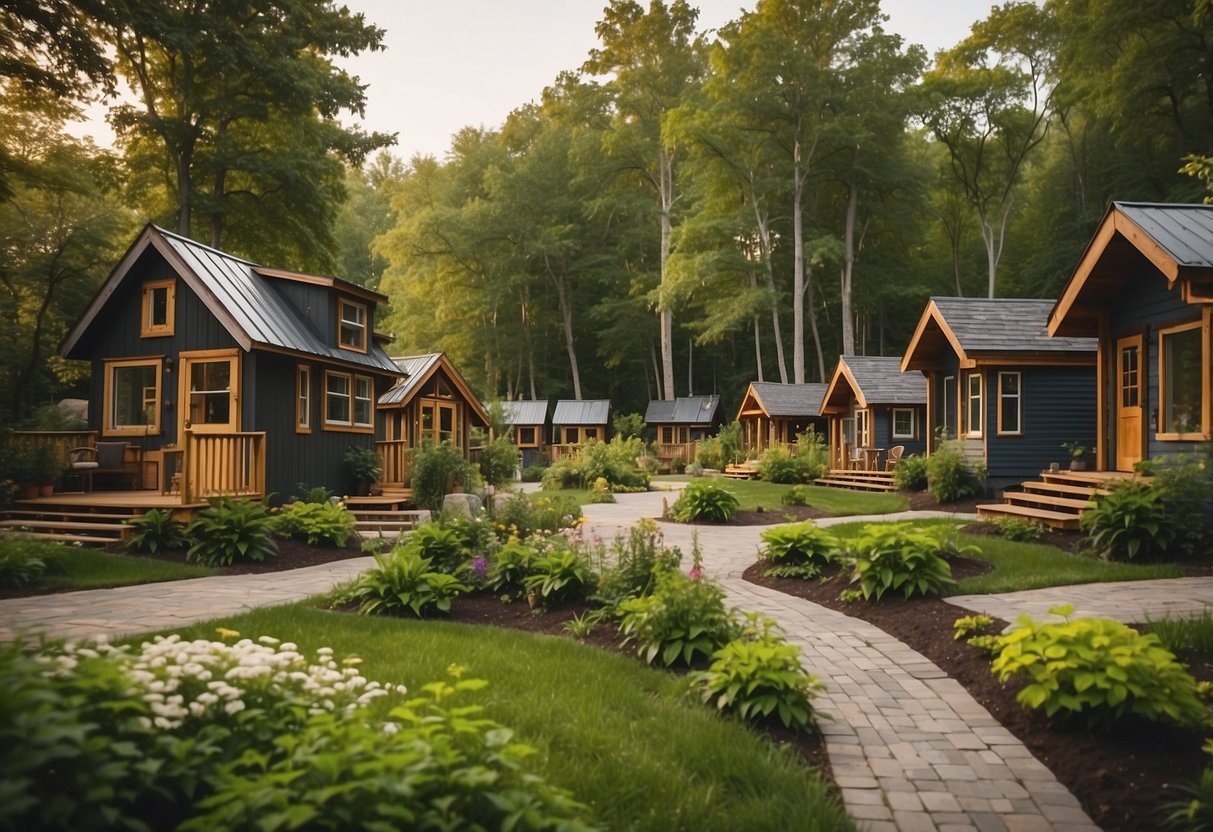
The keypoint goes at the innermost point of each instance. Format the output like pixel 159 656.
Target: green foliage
pixel 1188 637
pixel 703 500
pixel 499 460
pixel 725 448
pixel 565 472
pixel 614 461
pixel 910 473
pixel 363 463
pixel 319 524
pixel 800 550
pixel 439 544
pixel 897 556
pixel 313 494
pixel 582 626
pixel 631 566
pixel 628 425
pixel 510 567
pixel 560 576
pixel 813 452
pixel 968 625
pixel 436 471
pixel 1186 484
pixel 524 516
pixel 230 530
pixel 778 465
pixel 1194 813
pixel 797 495
pixel 25 562
pixel 154 530
pixel 684 619
pixel 1131 522
pixel 758 678
pixel 402 581
pixel 1097 668
pixel 533 473
pixel 1021 531
pixel 952 477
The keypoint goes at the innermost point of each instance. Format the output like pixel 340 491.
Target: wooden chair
pixel 105 458
pixel 855 460
pixel 894 456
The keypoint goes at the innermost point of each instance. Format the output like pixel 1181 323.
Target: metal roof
pixel 1184 231
pixel 588 412
pixel 525 412
pixel 686 410
pixel 995 325
pixel 416 367
pixel 789 399
pixel 881 381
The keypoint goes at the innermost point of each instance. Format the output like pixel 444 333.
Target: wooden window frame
pixel 863 428
pixel 913 434
pixel 1206 394
pixel 147 329
pixel 304 394
pixel 575 432
pixel 1002 430
pixel 342 321
pixel 184 367
pixel 950 402
pixel 523 441
pixel 351 426
pixel 108 428
pixel 980 398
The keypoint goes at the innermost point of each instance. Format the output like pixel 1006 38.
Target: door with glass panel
pixel 1130 392
pixel 210 384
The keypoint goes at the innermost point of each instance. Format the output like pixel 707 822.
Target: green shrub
pixel 1021 531
pixel 522 517
pixel 800 550
pixel 563 473
pixel 778 465
pixel 897 556
pixel 439 544
pixel 813 454
pixel 710 454
pixel 628 425
pixel 154 530
pixel 1185 636
pixel 230 530
pixel 684 619
pixel 703 500
pixel 951 476
pixel 319 524
pixel 910 473
pixel 732 444
pixel 499 460
pixel 758 678
pixel 402 581
pixel 533 473
pixel 630 567
pixel 1097 668
pixel 560 576
pixel 614 461
pixel 797 495
pixel 1130 522
pixel 1186 483
pixel 363 464
pixel 436 471
pixel 312 494
pixel 1193 813
pixel 24 562
pixel 510 567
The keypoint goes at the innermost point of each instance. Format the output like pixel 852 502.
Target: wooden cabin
pixel 774 414
pixel 225 377
pixel 872 407
pixel 431 404
pixel 680 424
pixel 997 382
pixel 1144 289
pixel 574 422
pixel 528 423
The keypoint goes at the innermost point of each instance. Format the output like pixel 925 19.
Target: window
pixel 351 325
pixel 159 311
pixel 1183 382
pixel 903 423
pixel 848 430
pixel 211 392
pixel 303 399
pixel 1010 404
pixel 667 435
pixel 132 397
pixel 347 402
pixel 973 405
pixel 526 437
pixel 949 406
pixel 863 428
pixel 571 437
pixel 591 433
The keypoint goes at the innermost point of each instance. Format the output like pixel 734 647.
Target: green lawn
pixel 837 501
pixel 93 569
pixel 1033 565
pixel 624 738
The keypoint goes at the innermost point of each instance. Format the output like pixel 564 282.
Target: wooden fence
pixel 222 464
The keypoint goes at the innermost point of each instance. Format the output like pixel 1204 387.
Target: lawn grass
pixel 1032 565
pixel 625 739
pixel 836 501
pixel 580 495
pixel 79 568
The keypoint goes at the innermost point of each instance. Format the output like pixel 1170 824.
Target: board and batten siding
pixel 1058 405
pixel 882 429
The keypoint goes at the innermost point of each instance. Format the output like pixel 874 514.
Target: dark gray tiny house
pixel 1000 385
pixel 678 425
pixel 1144 289
pixel 253 379
pixel 871 404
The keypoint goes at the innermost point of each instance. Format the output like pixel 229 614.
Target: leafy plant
pixel 631 566
pixel 896 556
pixel 910 473
pixel 436 471
pixel 154 530
pixel 24 562
pixel 800 550
pixel 797 495
pixel 682 620
pixel 582 626
pixel 1098 668
pixel 522 517
pixel 778 465
pixel 533 473
pixel 1021 531
pixel 1185 636
pixel 402 581
pixel 969 625
pixel 558 577
pixel 1130 522
pixel 704 500
pixel 319 524
pixel 510 567
pixel 628 425
pixel 363 463
pixel 312 494
pixel 951 476
pixel 230 530
pixel 1195 813
pixel 499 460
pixel 438 544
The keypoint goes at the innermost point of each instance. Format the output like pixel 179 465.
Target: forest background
pixel 681 214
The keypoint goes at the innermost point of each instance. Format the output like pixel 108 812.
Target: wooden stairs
pixel 68 523
pixel 858 480
pixel 741 472
pixel 1057 499
pixel 385 515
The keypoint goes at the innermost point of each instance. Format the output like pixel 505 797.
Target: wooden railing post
pixel 187 474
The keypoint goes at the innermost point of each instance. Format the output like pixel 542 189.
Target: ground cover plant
pixel 230 530
pixel 317 524
pixel 684 619
pixel 900 557
pixel 798 550
pixel 951 476
pixel 154 530
pixel 704 501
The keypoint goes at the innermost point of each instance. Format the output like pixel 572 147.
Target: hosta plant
pixel 403 582
pixel 439 544
pixel 319 524
pixel 896 556
pixel 155 530
pixel 559 576
pixel 800 550
pixel 1130 522
pixel 230 530
pixel 1098 669
pixel 24 562
pixel 683 620
pixel 510 566
pixel 704 500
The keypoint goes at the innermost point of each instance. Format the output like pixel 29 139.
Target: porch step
pixel 1059 489
pixel 84 527
pixel 387 523
pixel 1052 519
pixel 858 480
pixel 82 539
pixel 1032 498
pixel 740 472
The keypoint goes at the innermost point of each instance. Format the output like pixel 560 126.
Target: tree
pixel 365 214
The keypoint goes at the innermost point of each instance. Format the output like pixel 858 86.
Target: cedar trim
pixel 235 391
pixel 1103 349
pixel 1084 359
pixel 343 286
pixel 303 419
pixel 454 376
pixel 929 427
pixel 1146 244
pixel 929 315
pixel 1082 272
pixel 366 325
pixel 107 403
pixel 841 372
pixel 344 363
pixel 146 328
pixel 342 427
pixel 1206 364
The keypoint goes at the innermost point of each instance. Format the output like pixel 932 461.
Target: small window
pixel 303 399
pixel 1183 382
pixel 132 397
pixel 863 428
pixel 667 435
pixel 571 436
pixel 903 423
pixel 591 433
pixel 351 326
pixel 973 405
pixel 337 399
pixel 347 402
pixel 363 401
pixel 526 437
pixel 159 312
pixel 1010 404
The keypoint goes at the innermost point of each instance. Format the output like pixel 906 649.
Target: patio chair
pixel 895 453
pixel 855 460
pixel 106 459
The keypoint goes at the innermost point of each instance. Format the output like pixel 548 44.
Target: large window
pixel 1010 404
pixel 351 325
pixel 159 311
pixel 903 423
pixel 1183 382
pixel 303 399
pixel 132 397
pixel 973 409
pixel 348 403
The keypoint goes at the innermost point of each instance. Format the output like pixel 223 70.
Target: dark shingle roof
pixel 789 399
pixel 1184 231
pixel 525 413
pixel 996 325
pixel 590 412
pixel 687 410
pixel 881 380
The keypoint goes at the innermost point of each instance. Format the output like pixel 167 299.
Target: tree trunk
pixel 812 303
pixel 764 243
pixel 848 270
pixel 798 287
pixel 666 184
pixel 757 335
pixel 690 366
pixel 566 317
pixel 656 372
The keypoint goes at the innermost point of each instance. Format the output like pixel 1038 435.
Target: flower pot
pixel 47 490
pixel 1054 467
pixel 29 492
pixel 1078 465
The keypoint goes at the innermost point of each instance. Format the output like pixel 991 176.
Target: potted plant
pixel 19 467
pixel 364 467
pixel 1077 452
pixel 45 469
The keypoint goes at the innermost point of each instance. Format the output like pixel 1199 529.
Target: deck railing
pixel 61 440
pixel 685 451
pixel 395 461
pixel 222 464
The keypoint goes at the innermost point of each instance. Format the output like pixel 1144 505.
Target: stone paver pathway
pixel 1130 601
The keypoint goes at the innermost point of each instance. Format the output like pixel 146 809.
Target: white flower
pixel 233 707
pixel 390 728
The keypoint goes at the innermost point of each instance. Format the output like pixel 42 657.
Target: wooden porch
pixel 1056 499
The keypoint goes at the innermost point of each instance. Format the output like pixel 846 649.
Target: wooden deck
pixel 111 499
pixel 858 480
pixel 1057 499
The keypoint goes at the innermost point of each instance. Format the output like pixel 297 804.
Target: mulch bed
pixel 1122 777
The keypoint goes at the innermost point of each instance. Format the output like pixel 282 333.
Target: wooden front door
pixel 1130 392
pixel 210 391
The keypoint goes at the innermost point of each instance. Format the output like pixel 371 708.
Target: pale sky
pixel 453 63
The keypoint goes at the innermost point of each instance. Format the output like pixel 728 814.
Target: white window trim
pixel 981 405
pixel 913 423
pixel 362 326
pixel 1018 403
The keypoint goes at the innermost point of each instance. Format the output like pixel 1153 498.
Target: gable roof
pixel 421 368
pixel 239 296
pixel 974 329
pixel 1176 240
pixel 686 410
pixel 872 380
pixel 786 399
pixel 587 412
pixel 525 412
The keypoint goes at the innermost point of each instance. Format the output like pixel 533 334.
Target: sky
pixel 449 64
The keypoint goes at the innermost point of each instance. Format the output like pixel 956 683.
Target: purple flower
pixel 480 568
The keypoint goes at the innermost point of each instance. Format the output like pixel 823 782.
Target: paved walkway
pixel 910 749
pixel 1130 602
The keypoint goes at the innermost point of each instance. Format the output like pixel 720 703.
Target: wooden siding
pixel 1058 405
pixel 882 429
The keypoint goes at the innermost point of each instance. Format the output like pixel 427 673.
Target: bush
pixel 797 495
pixel 499 460
pixel 732 444
pixel 522 517
pixel 628 425
pixel 363 463
pixel 312 494
pixel 813 454
pixel 614 461
pixel 319 524
pixel 155 530
pixel 24 562
pixel 635 563
pixel 704 500
pixel 683 620
pixel 230 530
pixel 1187 486
pixel 559 576
pixel 952 477
pixel 563 473
pixel 800 550
pixel 510 567
pixel 436 471
pixel 1130 522
pixel 439 544
pixel 779 466
pixel 402 581
pixel 533 473
pixel 910 473
pixel 710 454
pixel 897 556
pixel 1097 668
pixel 1021 531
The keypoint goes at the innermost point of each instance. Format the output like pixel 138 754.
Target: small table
pixel 871 456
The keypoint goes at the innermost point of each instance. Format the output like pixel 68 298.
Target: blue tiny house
pixel 1144 289
pixel 998 383
pixel 872 406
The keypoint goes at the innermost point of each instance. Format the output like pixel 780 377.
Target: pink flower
pixel 695 574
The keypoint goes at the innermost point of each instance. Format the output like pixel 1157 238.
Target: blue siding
pixel 882 429
pixel 1058 405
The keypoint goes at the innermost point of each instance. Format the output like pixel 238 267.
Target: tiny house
pixel 527 421
pixel 774 414
pixel 873 407
pixel 576 421
pixel 680 424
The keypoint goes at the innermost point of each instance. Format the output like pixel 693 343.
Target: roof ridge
pixel 227 255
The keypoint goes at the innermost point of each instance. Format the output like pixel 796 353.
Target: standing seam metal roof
pixel 588 412
pixel 525 412
pixel 993 325
pixel 686 410
pixel 415 367
pixel 1185 231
